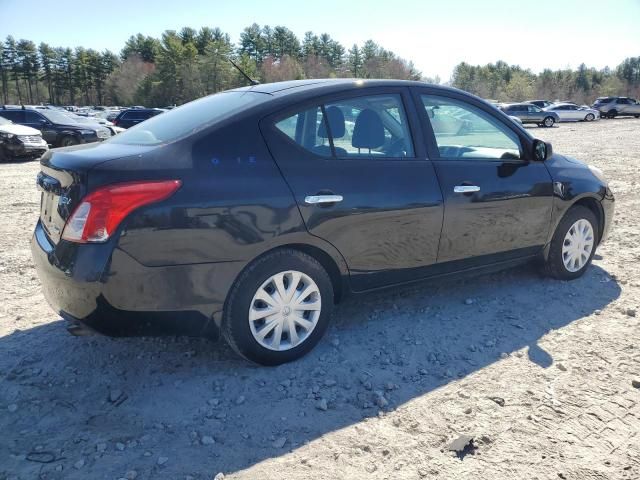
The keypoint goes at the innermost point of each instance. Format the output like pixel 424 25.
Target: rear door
pixel 358 169
pixel 498 202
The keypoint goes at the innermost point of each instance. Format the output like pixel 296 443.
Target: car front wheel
pixel 573 245
pixel 590 117
pixel 279 308
pixel 548 122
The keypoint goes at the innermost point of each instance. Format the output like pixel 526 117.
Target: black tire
pixel 612 114
pixel 637 116
pixel 68 141
pixel 235 322
pixel 554 265
pixel 590 117
pixel 3 156
pixel 548 122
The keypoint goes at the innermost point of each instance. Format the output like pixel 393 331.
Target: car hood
pixel 19 129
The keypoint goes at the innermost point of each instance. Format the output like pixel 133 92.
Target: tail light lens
pixel 115 122
pixel 100 212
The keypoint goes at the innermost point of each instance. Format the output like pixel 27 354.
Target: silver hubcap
pixel 285 310
pixel 590 117
pixel 548 122
pixel 577 245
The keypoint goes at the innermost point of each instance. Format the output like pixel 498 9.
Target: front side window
pixel 32 117
pixel 533 109
pixel 463 131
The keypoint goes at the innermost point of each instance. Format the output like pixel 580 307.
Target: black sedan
pixel 251 212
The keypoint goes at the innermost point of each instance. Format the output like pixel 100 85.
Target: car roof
pixel 329 84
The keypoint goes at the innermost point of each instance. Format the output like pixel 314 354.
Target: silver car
pixel 570 112
pixel 611 107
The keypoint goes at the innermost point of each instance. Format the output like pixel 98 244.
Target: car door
pixel 35 120
pixel 498 202
pixel 359 173
pixel 535 114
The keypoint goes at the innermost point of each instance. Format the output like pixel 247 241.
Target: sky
pixel 434 34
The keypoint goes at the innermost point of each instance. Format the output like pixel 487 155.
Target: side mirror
pixel 541 150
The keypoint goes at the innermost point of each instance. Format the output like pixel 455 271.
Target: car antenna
pixel 249 79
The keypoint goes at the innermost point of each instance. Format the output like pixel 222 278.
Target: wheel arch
pixel 588 201
pixel 595 206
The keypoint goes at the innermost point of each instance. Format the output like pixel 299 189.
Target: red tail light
pixel 100 212
pixel 115 122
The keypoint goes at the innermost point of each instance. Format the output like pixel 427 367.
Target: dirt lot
pixel 538 371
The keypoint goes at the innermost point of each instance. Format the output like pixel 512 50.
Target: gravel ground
pixel 541 373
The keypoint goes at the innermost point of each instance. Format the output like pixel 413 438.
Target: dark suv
pixel 253 211
pixel 58 130
pixel 133 116
pixel 611 107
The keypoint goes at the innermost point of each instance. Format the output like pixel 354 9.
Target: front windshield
pixel 56 117
pixel 189 118
pixel 4 121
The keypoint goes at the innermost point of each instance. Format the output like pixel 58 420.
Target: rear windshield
pixel 188 119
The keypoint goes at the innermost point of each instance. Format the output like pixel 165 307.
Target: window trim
pixel 431 143
pixel 420 153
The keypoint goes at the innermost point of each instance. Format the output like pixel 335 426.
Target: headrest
pixel 335 117
pixel 368 131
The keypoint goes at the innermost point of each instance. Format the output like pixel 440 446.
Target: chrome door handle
pixel 322 199
pixel 466 189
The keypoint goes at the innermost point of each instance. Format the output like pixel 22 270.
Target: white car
pixel 570 112
pixel 20 142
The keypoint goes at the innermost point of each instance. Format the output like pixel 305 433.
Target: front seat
pixel 368 131
pixel 335 118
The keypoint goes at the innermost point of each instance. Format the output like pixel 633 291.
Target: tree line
pixel 183 65
pixel 186 64
pixel 504 82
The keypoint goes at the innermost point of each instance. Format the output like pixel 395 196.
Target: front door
pixel 498 202
pixel 361 182
pixel 39 122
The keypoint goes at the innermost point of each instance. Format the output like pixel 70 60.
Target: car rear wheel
pixel 68 141
pixel 573 245
pixel 279 308
pixel 548 122
pixel 612 114
pixel 590 117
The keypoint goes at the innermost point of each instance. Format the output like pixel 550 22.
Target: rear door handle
pixel 322 199
pixel 466 189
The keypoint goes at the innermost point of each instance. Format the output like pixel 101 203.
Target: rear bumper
pixel 107 290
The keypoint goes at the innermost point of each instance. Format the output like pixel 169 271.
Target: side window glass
pixel 308 129
pixel 370 126
pixel 466 132
pixel 32 117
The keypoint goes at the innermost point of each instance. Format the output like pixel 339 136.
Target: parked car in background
pixel 133 116
pixel 540 103
pixel 529 113
pixel 58 130
pixel 19 142
pixel 570 112
pixel 96 121
pixel 253 211
pixel 611 107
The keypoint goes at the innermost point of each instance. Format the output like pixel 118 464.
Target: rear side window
pixel 373 126
pixel 466 132
pixel 189 119
pixel 309 130
pixel 370 126
pixel 16 116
